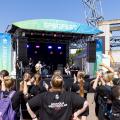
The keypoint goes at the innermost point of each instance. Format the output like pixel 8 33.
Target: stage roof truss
pixel 80 43
pixel 115 41
pixel 50 36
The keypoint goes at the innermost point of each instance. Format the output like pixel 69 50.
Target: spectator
pixel 3 74
pixel 38 86
pixel 103 95
pixel 79 87
pixel 79 84
pixel 9 82
pixel 25 87
pixel 115 103
pixel 57 103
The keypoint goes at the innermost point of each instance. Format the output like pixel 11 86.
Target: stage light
pixel 28 46
pixel 51 52
pixel 43 34
pixel 23 34
pixel 61 53
pixel 59 48
pixel 35 52
pixel 37 46
pixel 49 47
pixel 55 35
pixel 31 33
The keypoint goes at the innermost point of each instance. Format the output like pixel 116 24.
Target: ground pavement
pixel 91 107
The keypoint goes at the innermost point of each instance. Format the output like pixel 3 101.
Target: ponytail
pixel 80 77
pixel 81 85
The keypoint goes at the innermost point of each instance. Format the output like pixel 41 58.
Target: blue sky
pixel 73 10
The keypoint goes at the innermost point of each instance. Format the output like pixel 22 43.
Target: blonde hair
pixel 28 75
pixel 9 82
pixel 57 81
pixel 80 76
pixel 37 78
pixel 108 76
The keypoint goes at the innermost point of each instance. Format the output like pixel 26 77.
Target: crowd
pixel 60 97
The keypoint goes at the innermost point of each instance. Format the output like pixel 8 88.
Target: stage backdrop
pixel 5 51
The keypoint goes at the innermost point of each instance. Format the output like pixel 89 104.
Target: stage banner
pixel 5 51
pixel 99 52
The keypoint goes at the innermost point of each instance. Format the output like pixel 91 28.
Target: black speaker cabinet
pixel 22 50
pixel 91 51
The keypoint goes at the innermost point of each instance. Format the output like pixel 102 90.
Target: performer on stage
pixel 30 63
pixel 38 67
pixel 67 69
pixel 18 68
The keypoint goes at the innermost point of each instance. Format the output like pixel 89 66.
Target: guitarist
pixel 67 69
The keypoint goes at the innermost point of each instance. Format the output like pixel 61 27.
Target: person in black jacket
pixel 39 86
pixel 115 103
pixel 57 104
pixel 103 95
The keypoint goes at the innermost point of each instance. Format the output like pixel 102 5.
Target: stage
pixel 48 40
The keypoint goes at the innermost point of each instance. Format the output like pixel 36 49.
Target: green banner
pixel 99 49
pixel 5 52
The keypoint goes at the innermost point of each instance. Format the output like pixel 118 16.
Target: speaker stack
pixel 22 50
pixel 91 51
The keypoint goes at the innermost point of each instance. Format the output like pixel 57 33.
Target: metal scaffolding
pixel 93 11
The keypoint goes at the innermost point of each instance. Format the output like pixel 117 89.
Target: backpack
pixel 6 110
pixel 103 96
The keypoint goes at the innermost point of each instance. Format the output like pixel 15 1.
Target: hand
pixel 21 83
pixel 25 78
pixel 75 116
pixel 35 119
pixel 92 81
pixel 1 78
pixel 46 86
pixel 75 79
pixel 98 74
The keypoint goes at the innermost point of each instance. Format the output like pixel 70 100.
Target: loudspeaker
pixel 91 51
pixel 22 50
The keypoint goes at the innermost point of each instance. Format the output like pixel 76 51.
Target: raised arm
pixel 80 103
pixel 25 90
pixel 80 111
pixel 75 78
pixel 112 61
pixel 107 67
pixel 34 104
pixel 32 114
pixel 96 81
